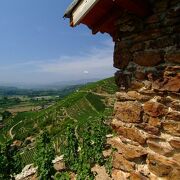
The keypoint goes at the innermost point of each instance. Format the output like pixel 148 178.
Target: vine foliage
pixel 43 156
pixel 83 148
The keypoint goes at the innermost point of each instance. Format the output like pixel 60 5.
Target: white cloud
pixel 86 72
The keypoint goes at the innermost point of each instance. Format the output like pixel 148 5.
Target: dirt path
pixel 10 131
pixel 99 94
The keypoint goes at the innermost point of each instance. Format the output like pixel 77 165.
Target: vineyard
pixel 27 156
pixel 83 108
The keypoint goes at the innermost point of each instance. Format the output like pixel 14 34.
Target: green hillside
pixel 88 105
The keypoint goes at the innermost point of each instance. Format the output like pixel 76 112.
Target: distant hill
pixel 48 86
pixel 90 103
pixel 61 91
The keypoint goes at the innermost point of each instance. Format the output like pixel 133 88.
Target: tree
pixel 10 161
pixel 44 155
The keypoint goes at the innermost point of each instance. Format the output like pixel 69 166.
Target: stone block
pixel 173 115
pixel 162 42
pixel 171 127
pixel 136 85
pixel 129 112
pixel 99 172
pixel 138 96
pixel 140 75
pixel 123 96
pixel 175 143
pixel 122 80
pixel 59 166
pixel 149 129
pixel 169 82
pixel 119 162
pixel 174 12
pixel 160 165
pixel 119 175
pixel 173 57
pixel 137 47
pixel 165 150
pixel 176 157
pixel 155 18
pixel 175 105
pixel 148 59
pixel 133 134
pixel 155 122
pixel 122 58
pixel 175 174
pixel 128 151
pixel 137 176
pixel 148 35
pixel 154 109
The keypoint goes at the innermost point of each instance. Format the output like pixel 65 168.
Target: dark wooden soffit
pixel 102 17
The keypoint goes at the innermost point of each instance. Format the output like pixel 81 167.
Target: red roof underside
pixel 103 16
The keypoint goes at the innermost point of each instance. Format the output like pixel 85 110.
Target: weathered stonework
pixel 147 111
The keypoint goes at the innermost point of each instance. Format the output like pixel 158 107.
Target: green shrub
pixel 62 176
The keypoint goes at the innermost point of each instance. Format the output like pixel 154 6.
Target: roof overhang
pixel 84 7
pixel 100 15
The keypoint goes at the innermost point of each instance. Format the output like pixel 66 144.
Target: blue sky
pixel 38 46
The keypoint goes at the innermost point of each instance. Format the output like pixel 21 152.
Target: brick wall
pixel 147 111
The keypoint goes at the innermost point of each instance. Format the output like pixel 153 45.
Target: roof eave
pixel 70 8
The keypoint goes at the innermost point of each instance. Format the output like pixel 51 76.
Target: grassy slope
pixel 77 109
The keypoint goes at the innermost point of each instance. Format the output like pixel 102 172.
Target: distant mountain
pixel 48 86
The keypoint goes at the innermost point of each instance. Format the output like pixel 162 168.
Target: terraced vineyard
pixel 87 104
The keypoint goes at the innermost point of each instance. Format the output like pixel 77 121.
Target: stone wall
pixel 147 111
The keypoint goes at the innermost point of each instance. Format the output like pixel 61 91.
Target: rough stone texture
pixel 122 59
pixel 175 143
pixel 128 111
pixel 169 82
pixel 149 129
pixel 165 150
pixel 147 58
pixel 129 152
pixel 138 96
pixel 172 127
pixel 147 111
pixel 28 172
pixel 160 166
pixel 137 176
pixel 176 157
pixel 59 166
pixel 100 173
pixel 155 122
pixel 119 162
pixel 173 57
pixel 131 96
pixel 154 109
pixel 119 175
pixel 173 115
pixel 132 133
